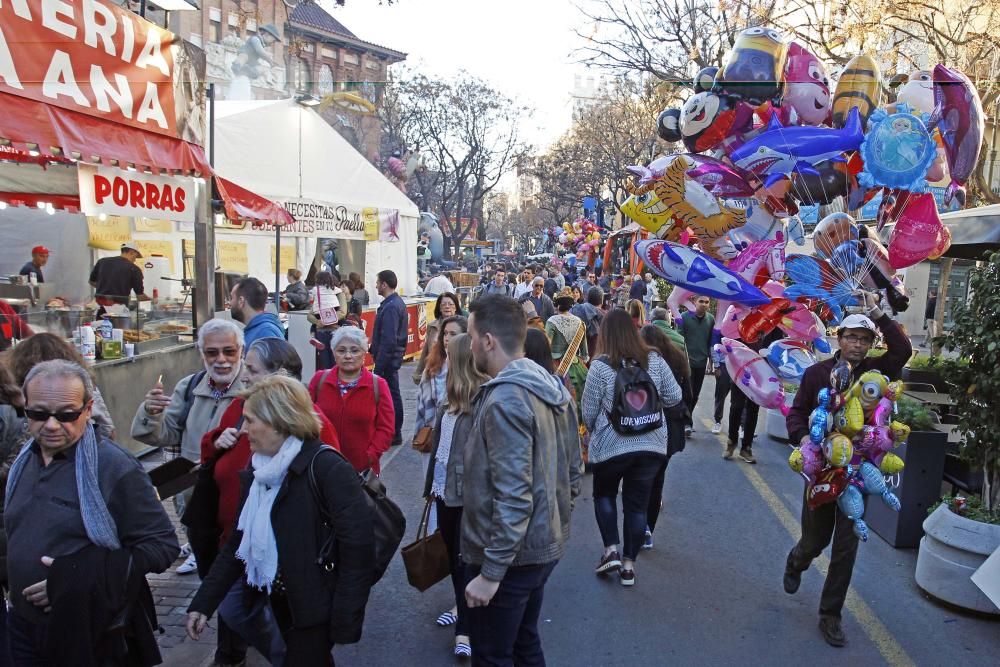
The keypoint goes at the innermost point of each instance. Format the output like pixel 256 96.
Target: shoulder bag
pixel 327 316
pixel 426 559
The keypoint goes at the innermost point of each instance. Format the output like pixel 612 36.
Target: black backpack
pixel 389 525
pixel 635 408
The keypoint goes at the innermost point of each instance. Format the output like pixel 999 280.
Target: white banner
pixel 317 219
pixel 109 191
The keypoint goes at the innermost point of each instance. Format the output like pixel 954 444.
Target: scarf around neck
pixel 258 548
pixel 97 520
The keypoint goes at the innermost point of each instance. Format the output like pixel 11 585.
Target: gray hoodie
pixel 522 471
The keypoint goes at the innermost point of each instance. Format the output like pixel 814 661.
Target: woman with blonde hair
pixel 281 525
pixel 444 474
pixel 637 312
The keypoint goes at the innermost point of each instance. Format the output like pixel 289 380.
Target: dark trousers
pixel 818 526
pixel 27 641
pixel 697 379
pixel 742 411
pixel 450 524
pixel 5 658
pixel 303 646
pixel 635 474
pixel 391 375
pixel 505 632
pixel 324 357
pixel 722 385
pixel 656 496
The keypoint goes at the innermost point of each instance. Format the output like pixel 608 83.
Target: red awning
pixel 54 129
pixel 25 121
pixel 241 204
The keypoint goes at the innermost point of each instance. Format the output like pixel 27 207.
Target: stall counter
pixel 124 383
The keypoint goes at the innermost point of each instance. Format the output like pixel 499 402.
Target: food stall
pixel 97 149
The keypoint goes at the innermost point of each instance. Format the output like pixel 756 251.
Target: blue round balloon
pixel 897 150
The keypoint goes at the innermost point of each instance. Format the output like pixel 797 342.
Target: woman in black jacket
pixel 281 532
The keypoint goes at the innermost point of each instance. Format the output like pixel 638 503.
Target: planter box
pixel 923 377
pixel 918 487
pixel 952 549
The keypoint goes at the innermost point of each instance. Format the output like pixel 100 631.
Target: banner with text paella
pixel 93 57
pixel 326 220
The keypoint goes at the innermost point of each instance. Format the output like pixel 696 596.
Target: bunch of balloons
pixel 851 435
pixel 767 133
pixel 582 237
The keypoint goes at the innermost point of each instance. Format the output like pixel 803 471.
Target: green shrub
pixel 974 377
pixel 973 508
pixel 914 414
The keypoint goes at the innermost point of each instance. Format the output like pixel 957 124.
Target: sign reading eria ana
pixel 135 194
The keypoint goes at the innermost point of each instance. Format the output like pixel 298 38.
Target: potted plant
pixel 922 370
pixel 954 546
pixel 918 485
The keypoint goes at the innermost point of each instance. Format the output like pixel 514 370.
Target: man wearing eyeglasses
pixel 78 504
pixel 197 402
pixel 855 337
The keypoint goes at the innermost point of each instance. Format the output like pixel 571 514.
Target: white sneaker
pixel 188 566
pixel 717 428
pixel 185 551
pixel 688 431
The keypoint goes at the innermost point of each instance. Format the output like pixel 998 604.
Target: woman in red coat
pixel 360 410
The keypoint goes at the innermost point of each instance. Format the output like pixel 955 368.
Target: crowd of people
pixel 518 391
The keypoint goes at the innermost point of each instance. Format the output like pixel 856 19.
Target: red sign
pixel 89 56
pixel 416 329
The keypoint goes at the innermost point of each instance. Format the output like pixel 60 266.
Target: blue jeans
pixel 505 632
pixel 635 474
pixel 254 623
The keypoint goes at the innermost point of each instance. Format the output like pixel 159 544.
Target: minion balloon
pixel 754 68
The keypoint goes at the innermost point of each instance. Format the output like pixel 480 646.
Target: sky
pixel 523 48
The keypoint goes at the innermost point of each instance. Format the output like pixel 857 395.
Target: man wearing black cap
pixel 39 258
pixel 855 338
pixel 115 278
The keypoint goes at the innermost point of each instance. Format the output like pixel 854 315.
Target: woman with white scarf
pixel 280 530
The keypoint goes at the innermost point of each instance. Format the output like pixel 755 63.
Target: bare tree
pixel 468 135
pixel 668 39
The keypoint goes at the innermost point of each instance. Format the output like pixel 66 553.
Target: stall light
pixel 40 205
pixel 307 100
pixel 176 5
pixel 102 217
pixel 3 205
pixel 50 209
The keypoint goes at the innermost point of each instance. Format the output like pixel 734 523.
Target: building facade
pixel 262 49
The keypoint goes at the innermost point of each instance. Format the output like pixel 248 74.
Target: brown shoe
pixel 747 455
pixel 730 450
pixel 610 562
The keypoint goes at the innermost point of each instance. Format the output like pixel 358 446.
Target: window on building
pixel 302 76
pixel 214 32
pixel 325 84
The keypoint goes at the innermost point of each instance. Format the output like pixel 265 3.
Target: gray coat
pixel 522 471
pixel 456 458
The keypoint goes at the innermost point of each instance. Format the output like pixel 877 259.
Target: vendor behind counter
pixel 115 278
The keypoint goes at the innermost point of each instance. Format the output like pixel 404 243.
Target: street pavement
pixel 709 593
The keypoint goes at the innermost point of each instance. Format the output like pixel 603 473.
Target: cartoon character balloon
pixel 790 359
pixel 958 115
pixel 898 150
pixel 807 88
pixel 860 87
pixel 755 65
pixel 752 374
pixel 708 118
pixel 918 91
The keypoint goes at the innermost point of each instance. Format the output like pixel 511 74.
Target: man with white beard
pixel 184 416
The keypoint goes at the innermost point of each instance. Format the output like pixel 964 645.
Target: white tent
pixel 289 154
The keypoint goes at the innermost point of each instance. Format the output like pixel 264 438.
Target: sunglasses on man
pixel 63 417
